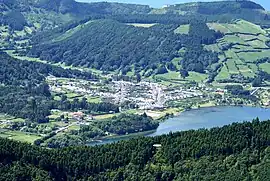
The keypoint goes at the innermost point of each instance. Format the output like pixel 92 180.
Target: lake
pixel 204 118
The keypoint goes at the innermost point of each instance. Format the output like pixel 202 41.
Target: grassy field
pixel 213 48
pixel 265 67
pixel 223 74
pixel 182 29
pixel 19 136
pixel 105 116
pixel 170 75
pixel 240 26
pixel 11 53
pixel 10 118
pixel 253 56
pixel 141 25
pixel 232 66
pixel 193 76
pixel 94 99
pixel 246 71
pixel 74 127
pixel 248 44
pixel 72 31
pixel 234 39
pixel 197 77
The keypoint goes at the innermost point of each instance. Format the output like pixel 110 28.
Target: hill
pixel 236 51
pixel 222 11
pixel 167 40
pixel 109 45
pixel 243 50
pixel 234 152
pixel 20 19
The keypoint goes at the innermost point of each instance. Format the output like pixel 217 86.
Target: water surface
pixel 211 117
pixel 204 118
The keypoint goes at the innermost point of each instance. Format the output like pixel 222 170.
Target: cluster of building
pixel 145 95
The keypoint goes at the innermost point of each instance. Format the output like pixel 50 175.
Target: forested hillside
pixel 234 152
pixel 110 45
pixel 222 11
pixel 195 40
pixel 126 38
pixel 117 46
pixel 17 13
pixel 23 90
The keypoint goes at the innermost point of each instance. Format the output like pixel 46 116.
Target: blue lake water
pixel 205 118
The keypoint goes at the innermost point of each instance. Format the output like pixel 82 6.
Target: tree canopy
pixel 236 152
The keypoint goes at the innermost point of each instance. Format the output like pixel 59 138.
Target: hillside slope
pixel 194 37
pixel 20 19
pixel 110 45
pixel 224 52
pixel 223 11
pixel 243 50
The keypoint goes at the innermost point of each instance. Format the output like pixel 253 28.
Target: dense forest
pixel 240 151
pixel 112 47
pixel 195 57
pixel 128 123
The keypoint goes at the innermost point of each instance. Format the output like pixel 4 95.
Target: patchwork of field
pixel 240 49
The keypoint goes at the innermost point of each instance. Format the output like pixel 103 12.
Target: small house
pixel 78 116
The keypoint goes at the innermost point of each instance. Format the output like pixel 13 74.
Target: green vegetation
pixel 25 94
pixel 142 25
pixel 240 50
pixel 182 29
pixel 123 56
pixel 240 150
pixel 49 97
pixel 19 136
pixel 265 67
pixel 122 124
pixel 246 42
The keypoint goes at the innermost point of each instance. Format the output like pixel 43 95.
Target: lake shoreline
pixel 167 117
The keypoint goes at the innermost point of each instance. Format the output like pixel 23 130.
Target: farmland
pixel 246 44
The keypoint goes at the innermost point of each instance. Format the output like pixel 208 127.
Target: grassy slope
pixel 183 29
pixel 248 45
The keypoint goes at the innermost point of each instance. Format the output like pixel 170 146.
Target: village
pixel 143 95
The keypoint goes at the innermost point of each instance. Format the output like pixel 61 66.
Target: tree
pixel 162 70
pixel 138 77
pixel 257 81
pixel 184 73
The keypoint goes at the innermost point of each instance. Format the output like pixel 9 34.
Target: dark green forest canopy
pixel 236 152
pixel 22 72
pixel 128 123
pixel 110 45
